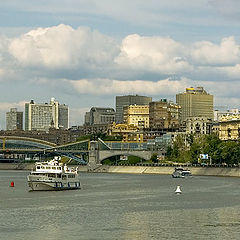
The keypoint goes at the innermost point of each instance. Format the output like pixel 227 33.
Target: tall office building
pixel 164 114
pixel 195 102
pixel 46 115
pixel 128 100
pixel 63 116
pixel 14 120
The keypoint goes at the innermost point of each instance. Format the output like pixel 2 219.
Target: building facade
pixel 229 127
pixel 128 100
pixel 164 114
pixel 195 102
pixel 99 115
pixel 87 119
pixel 198 125
pixel 63 116
pixel 136 115
pixel 128 132
pixel 222 114
pixel 14 120
pixel 41 117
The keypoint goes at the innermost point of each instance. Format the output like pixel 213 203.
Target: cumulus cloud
pixel 157 54
pixel 61 51
pixel 207 53
pixel 233 72
pixel 63 47
pixel 110 87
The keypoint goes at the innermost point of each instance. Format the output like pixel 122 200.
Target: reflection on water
pixel 121 206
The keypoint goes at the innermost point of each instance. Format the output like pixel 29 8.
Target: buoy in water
pixel 178 190
pixel 12 184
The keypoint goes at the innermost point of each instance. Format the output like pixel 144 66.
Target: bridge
pixel 85 152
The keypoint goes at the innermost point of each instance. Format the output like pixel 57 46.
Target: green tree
pixel 154 158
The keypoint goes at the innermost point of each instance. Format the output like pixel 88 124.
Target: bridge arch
pixel 16 142
pixel 146 155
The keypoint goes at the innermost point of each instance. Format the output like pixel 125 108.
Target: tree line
pixel 188 149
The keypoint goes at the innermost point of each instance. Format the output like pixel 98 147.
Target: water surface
pixel 121 206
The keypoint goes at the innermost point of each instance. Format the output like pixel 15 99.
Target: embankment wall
pixel 201 171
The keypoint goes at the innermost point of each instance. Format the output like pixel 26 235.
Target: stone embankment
pixel 200 171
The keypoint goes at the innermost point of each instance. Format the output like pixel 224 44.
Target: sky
pixel 85 52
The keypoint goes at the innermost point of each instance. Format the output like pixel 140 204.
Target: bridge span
pixel 85 152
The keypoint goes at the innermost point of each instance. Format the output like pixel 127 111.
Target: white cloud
pixel 207 53
pixel 157 54
pixel 63 47
pixel 64 52
pixel 232 71
pixel 112 87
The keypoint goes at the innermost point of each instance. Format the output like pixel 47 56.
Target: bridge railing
pixel 127 146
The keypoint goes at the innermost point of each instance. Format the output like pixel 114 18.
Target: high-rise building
pixel 46 115
pixel 14 120
pixel 128 100
pixel 136 115
pixel 195 102
pixel 164 114
pixel 63 116
pixel 99 115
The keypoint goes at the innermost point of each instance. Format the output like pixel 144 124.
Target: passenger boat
pixel 53 175
pixel 181 173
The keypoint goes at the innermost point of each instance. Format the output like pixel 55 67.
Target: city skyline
pixel 86 53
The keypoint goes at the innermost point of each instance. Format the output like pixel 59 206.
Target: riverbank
pixel 200 171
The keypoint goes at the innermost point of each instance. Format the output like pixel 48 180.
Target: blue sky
pixel 84 53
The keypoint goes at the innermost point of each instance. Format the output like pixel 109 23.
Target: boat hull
pixel 53 186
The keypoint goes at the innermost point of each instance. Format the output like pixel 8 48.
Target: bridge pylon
pixel 93 157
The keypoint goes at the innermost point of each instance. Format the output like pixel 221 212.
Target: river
pixel 121 206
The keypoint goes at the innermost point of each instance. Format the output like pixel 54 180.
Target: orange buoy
pixel 12 184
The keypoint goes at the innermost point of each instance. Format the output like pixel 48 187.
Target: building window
pixel 229 132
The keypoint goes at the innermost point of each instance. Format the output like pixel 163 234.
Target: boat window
pixel 54 168
pixel 71 176
pixel 48 167
pixel 38 167
pixel 59 168
pixel 42 167
pixel 59 176
pixel 51 175
pixel 64 177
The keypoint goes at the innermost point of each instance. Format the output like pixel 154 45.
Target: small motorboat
pixel 181 173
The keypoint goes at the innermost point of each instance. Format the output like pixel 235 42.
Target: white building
pixel 198 125
pixel 45 115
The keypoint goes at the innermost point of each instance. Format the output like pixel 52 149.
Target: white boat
pixel 53 175
pixel 181 173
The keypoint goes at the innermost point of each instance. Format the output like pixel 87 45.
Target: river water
pixel 121 206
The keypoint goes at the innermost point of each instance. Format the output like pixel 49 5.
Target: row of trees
pixel 189 149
